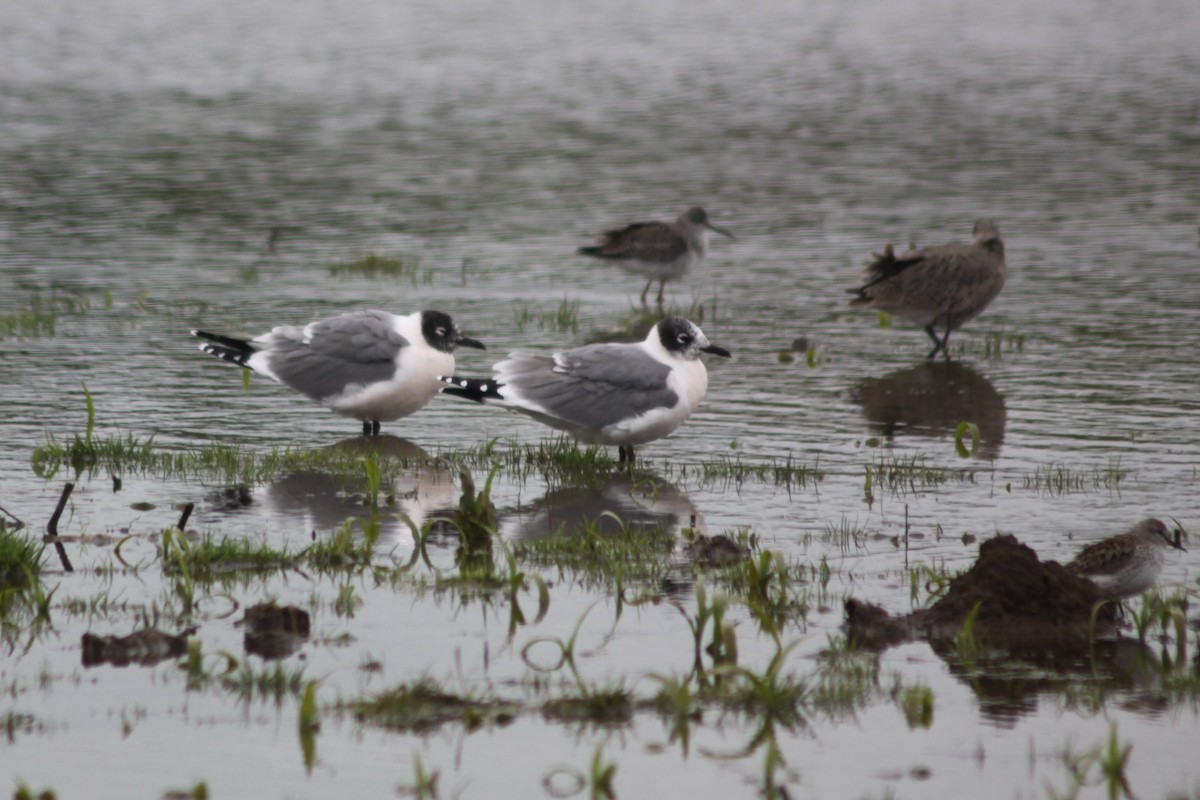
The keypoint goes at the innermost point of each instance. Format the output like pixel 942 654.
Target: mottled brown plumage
pixel 942 286
pixel 659 251
pixel 1129 563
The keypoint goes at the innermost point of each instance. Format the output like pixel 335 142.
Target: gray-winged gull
pixel 615 394
pixel 370 365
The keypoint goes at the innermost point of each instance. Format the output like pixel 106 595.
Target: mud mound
pixel 1016 588
pixel 1022 602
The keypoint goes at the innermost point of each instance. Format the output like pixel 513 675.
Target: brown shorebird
pixel 623 394
pixel 1128 564
pixel 370 365
pixel 658 251
pixel 937 287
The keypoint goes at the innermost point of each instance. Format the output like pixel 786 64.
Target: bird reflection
pixel 931 399
pixel 324 501
pixel 1084 673
pixel 637 502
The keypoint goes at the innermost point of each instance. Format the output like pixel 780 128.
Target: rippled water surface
pixel 148 150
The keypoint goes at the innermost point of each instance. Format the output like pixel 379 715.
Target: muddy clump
pixel 1023 603
pixel 145 648
pixel 274 631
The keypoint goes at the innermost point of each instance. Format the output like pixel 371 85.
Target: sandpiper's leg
pixel 366 427
pixel 374 427
pixel 946 344
pixel 661 284
pixel 938 344
pixel 646 290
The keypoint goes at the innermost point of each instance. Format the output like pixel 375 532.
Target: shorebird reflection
pixel 931 399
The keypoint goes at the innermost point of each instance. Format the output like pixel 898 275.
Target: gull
pixel 370 365
pixel 1129 563
pixel 658 251
pixel 614 394
pixel 943 285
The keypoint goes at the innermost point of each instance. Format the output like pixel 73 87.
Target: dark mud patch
pixel 274 631
pixel 145 648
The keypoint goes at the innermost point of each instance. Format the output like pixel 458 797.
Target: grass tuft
pixel 424 706
pixel 374 265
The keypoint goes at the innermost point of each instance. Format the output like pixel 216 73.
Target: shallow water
pixel 147 152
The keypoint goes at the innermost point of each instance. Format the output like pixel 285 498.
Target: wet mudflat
pixel 148 156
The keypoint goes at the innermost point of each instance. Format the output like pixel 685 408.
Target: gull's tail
pixel 477 389
pixel 226 348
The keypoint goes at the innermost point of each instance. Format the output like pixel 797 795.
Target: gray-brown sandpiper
pixel 942 286
pixel 658 251
pixel 1129 563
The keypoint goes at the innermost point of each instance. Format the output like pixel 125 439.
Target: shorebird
pixel 614 394
pixel 658 251
pixel 1129 563
pixel 370 365
pixel 940 286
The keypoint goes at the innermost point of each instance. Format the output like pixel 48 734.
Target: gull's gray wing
pixel 588 387
pixel 325 357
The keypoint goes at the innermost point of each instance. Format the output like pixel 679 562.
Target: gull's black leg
pixel 625 455
pixel 366 427
pixel 374 427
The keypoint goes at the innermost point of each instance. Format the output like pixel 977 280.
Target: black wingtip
pixel 226 348
pixel 471 388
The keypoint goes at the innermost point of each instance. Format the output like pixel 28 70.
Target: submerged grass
pixel 373 265
pixel 39 317
pixel 847 678
pixel 211 556
pixel 232 464
pixel 631 554
pixel 1056 479
pixel 424 706
pixel 20 562
pixel 728 471
pixel 605 706
pixel 276 682
pixel 563 319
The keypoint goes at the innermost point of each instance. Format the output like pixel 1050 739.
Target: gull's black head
pixel 685 340
pixel 441 333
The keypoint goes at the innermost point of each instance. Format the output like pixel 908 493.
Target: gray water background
pixel 146 151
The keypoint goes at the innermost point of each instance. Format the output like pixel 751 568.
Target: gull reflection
pixel 638 502
pixel 323 501
pixel 931 399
